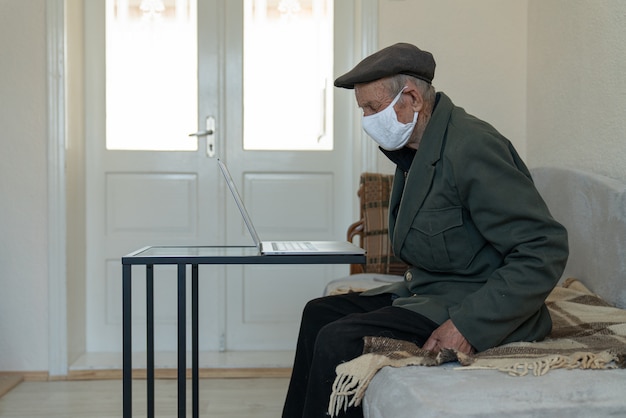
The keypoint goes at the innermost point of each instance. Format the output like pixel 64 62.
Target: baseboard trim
pixel 27 376
pixel 204 373
pixel 8 379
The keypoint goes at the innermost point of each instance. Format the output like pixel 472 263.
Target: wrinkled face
pixel 374 97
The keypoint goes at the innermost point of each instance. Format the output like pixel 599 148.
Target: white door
pixel 176 196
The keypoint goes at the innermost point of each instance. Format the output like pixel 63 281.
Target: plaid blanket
pixel 587 333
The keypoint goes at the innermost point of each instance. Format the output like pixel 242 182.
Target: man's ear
pixel 417 101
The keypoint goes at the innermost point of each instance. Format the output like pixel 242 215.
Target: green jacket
pixel 484 249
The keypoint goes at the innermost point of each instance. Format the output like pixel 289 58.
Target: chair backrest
pixel 372 229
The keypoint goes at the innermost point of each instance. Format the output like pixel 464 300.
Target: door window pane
pixel 151 74
pixel 287 74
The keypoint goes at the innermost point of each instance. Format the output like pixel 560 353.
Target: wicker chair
pixel 381 265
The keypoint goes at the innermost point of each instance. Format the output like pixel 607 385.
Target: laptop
pixel 286 247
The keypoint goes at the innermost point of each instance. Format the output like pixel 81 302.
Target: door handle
pixel 209 132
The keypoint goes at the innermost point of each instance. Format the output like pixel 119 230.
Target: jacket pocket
pixel 439 240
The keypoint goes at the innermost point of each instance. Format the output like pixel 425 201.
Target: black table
pixel 182 257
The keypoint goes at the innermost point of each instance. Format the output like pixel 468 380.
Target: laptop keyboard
pixel 293 246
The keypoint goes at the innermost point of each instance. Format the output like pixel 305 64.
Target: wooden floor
pixel 223 398
pixel 8 382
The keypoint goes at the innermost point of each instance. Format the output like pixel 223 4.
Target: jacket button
pixel 408 276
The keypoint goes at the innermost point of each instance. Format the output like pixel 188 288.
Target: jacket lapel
pixel 408 193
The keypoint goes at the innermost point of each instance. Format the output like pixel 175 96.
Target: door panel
pixel 265 302
pixel 134 204
pixel 291 205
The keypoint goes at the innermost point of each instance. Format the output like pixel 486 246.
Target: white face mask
pixel 386 130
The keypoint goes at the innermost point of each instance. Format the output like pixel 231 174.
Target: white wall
pixel 23 186
pixel 480 50
pixel 577 85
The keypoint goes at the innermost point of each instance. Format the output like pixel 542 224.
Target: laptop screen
pixel 239 203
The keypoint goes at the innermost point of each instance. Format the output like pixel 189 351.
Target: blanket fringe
pixel 352 380
pixel 354 376
pixel 541 366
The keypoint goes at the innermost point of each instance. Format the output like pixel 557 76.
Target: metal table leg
pixel 182 336
pixel 194 341
pixel 127 345
pixel 150 337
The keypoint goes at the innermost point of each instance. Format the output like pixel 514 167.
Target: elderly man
pixel 483 248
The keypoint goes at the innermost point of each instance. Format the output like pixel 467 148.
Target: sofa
pixel 593 209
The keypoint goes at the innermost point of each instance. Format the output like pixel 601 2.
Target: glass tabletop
pixel 229 255
pixel 210 251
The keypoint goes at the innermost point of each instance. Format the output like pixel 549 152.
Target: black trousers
pixel 331 332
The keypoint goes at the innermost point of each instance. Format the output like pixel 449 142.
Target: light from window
pixel 151 75
pixel 287 101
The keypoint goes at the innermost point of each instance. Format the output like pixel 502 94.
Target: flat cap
pixel 401 58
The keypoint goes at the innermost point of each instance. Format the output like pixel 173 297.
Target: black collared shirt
pixel 403 157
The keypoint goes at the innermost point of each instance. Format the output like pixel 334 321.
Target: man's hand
pixel 447 336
